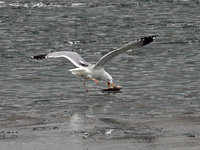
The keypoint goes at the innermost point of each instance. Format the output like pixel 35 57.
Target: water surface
pixel 159 80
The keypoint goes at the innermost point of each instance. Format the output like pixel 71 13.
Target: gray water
pixel 160 79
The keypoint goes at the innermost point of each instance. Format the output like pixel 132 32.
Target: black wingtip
pixel 39 56
pixel 147 40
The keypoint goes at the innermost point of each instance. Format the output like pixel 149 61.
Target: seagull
pixel 96 71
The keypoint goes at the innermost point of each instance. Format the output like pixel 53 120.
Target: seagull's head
pixel 108 78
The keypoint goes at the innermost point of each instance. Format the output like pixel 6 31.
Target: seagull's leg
pixel 95 80
pixel 85 85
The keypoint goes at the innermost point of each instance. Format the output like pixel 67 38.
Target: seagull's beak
pixel 112 85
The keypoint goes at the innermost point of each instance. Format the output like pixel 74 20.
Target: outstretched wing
pixel 138 43
pixel 74 57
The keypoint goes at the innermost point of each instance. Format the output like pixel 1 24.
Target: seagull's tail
pixel 77 71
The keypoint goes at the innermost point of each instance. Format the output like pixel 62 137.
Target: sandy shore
pixel 82 132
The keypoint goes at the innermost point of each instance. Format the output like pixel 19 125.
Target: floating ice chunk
pixel 78 4
pixel 109 132
pixel 73 42
pixel 39 5
pixel 15 4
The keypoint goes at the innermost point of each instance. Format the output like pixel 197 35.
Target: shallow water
pixel 159 80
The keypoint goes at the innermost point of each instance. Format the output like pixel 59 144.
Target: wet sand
pixel 82 132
